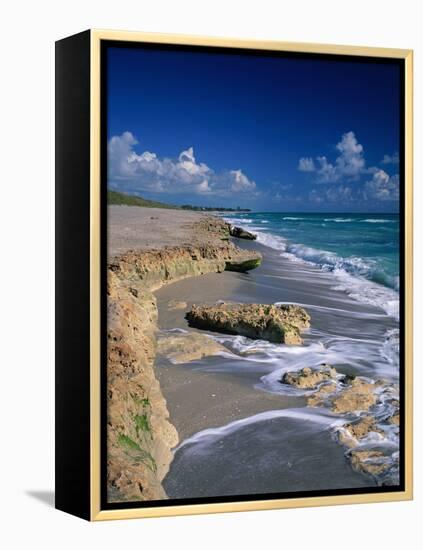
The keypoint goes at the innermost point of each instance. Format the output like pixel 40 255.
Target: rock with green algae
pixel 280 324
pixel 241 233
pixel 242 265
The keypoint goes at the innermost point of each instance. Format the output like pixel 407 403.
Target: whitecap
pixel 353 273
pixel 375 220
pixel 338 220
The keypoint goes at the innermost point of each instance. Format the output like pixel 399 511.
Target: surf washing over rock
pixel 328 358
pixel 362 252
pixel 346 373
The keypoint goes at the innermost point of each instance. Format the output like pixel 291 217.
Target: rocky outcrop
pixel 363 403
pixel 241 233
pixel 307 378
pixel 190 346
pixel 154 268
pixel 358 396
pixel 373 462
pixel 140 436
pixel 280 324
pixel 353 394
pixel 351 434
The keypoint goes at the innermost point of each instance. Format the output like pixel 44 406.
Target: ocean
pixel 361 250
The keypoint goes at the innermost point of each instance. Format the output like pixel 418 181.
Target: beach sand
pixel 295 452
pixel 222 397
pixel 135 227
pixel 197 399
pixel 279 454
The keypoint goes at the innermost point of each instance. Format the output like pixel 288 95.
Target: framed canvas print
pixel 234 281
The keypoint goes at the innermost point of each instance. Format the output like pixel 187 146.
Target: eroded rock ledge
pixel 280 324
pixel 140 435
pixel 371 410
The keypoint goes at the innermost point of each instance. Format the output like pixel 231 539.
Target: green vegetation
pixel 214 208
pixel 142 423
pixel 136 453
pixel 125 441
pixel 242 267
pixel 143 402
pixel 113 197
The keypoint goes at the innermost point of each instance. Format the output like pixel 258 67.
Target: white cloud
pixel 342 193
pixel 390 159
pixel 130 171
pixel 336 193
pixel 306 164
pixel 240 182
pixel 382 186
pixel 326 173
pixel 349 163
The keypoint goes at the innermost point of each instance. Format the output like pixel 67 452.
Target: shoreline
pixel 198 399
pixel 140 435
pixel 361 329
pixel 197 395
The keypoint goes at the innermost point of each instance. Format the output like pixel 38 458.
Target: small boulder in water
pixel 394 419
pixel 351 434
pixel 358 396
pixel 308 378
pixel 241 233
pixel 372 462
pixel 280 324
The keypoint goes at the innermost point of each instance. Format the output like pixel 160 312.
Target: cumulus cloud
pixel 349 163
pixel 306 164
pixel 342 193
pixel 336 193
pixel 130 171
pixel 382 186
pixel 390 159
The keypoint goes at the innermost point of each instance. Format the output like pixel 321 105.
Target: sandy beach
pixel 232 400
pixel 135 228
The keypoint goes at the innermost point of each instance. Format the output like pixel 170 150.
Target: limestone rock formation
pixel 351 434
pixel 307 378
pixel 372 462
pixel 161 266
pixel 140 436
pixel 359 395
pixel 241 233
pixel 280 324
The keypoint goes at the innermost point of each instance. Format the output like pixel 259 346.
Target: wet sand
pixel 210 392
pixel 199 395
pixel 274 454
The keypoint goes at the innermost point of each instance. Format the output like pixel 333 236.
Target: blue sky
pixel 259 132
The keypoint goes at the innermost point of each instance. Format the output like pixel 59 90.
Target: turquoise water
pixel 366 245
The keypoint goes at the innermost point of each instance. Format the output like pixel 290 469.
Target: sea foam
pixel 358 277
